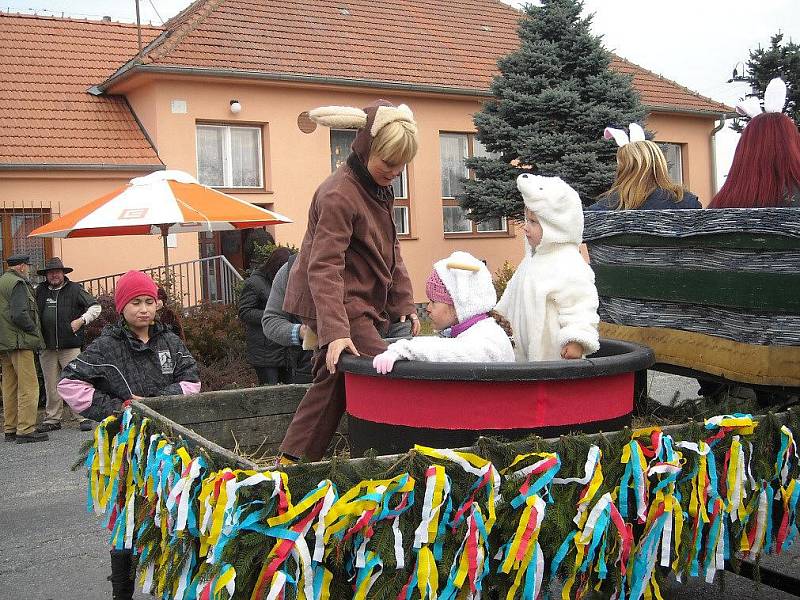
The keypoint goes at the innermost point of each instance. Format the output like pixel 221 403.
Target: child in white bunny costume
pixel 551 300
pixel 461 297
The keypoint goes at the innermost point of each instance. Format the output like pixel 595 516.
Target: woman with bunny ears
pixel 462 297
pixel 348 283
pixel 642 181
pixel 766 165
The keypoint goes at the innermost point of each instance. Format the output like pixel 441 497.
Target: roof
pixel 46 115
pixel 428 44
pixel 49 119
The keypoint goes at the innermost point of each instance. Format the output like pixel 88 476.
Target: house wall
pixel 694 134
pixel 64 191
pixel 294 165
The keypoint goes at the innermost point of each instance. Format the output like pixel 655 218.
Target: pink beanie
pixel 436 289
pixel 132 284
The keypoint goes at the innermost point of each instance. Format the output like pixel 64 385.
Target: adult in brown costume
pixel 349 283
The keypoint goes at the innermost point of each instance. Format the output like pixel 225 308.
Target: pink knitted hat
pixel 132 284
pixel 436 289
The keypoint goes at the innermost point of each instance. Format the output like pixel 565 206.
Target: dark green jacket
pixel 19 317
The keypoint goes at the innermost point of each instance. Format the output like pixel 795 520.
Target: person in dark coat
pixel 268 358
pixel 287 329
pixel 65 308
pixel 20 337
pixel 642 181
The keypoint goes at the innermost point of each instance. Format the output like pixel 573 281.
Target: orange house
pixel 221 91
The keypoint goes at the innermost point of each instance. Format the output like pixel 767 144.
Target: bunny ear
pixel 339 117
pixel 637 133
pixel 749 107
pixel 775 96
pixel 619 136
pixel 388 114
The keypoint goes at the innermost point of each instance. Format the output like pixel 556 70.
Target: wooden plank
pixel 735 361
pixel 761 292
pixel 230 404
pixel 749 241
pixel 222 456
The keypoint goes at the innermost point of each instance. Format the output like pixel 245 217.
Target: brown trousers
pixel 318 414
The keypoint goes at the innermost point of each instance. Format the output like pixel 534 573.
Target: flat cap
pixel 18 259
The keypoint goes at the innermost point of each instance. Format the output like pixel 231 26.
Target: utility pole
pixel 139 31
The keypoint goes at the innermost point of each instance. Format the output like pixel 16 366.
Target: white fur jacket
pixel 551 299
pixel 485 341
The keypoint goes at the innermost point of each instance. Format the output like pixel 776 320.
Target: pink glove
pixel 384 362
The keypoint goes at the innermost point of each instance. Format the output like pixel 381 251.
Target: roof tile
pixel 430 42
pixel 46 113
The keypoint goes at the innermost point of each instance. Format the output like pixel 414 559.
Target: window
pixel 454 149
pixel 341 140
pixel 230 156
pixel 672 152
pixel 15 225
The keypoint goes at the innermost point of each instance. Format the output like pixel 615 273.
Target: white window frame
pixel 472 140
pixel 679 166
pixel 227 154
pixel 403 228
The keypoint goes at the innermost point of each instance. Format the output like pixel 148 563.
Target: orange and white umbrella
pixel 163 202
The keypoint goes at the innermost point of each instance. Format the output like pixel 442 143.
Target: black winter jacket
pixel 71 302
pixel 660 199
pixel 261 352
pixel 119 365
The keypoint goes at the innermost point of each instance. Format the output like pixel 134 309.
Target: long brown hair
pixel 766 165
pixel 641 170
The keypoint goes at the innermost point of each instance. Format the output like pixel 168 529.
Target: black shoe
pixel 32 437
pixel 10 437
pixel 45 427
pixel 87 425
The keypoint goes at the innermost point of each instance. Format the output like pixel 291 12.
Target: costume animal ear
pixel 749 107
pixel 637 133
pixel 618 135
pixel 339 117
pixel 389 114
pixel 775 96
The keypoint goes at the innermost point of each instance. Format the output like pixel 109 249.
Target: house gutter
pixel 79 167
pixel 712 135
pixel 98 90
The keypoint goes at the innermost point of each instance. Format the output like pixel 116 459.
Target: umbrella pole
pixel 164 234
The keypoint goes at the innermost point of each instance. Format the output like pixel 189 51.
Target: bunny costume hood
pixel 557 207
pixel 551 300
pixel 470 288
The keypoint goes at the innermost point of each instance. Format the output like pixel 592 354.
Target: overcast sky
pixel 694 42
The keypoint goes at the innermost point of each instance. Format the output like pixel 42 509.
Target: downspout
pixel 713 134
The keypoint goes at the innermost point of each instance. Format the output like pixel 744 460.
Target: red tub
pixel 449 405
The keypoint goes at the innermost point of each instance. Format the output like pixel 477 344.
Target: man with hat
pixel 20 337
pixel 65 309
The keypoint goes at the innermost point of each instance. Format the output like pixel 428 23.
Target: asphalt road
pixel 52 549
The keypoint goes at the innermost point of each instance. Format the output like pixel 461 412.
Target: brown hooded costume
pixel 348 281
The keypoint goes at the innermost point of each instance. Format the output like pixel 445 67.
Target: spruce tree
pixel 779 60
pixel 551 101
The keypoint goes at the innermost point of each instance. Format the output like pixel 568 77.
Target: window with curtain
pixel 230 156
pixel 455 148
pixel 673 154
pixel 341 140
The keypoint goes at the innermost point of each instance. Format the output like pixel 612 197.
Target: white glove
pixel 384 363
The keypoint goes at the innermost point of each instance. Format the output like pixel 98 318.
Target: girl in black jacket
pixel 134 358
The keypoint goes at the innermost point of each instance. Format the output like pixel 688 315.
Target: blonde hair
pixel 395 143
pixel 641 170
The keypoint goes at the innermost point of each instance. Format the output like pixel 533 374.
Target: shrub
pixel 501 278
pixel 108 316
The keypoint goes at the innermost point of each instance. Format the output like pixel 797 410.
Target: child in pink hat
pixel 462 297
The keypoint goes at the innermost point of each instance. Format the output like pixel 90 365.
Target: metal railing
pixel 211 279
